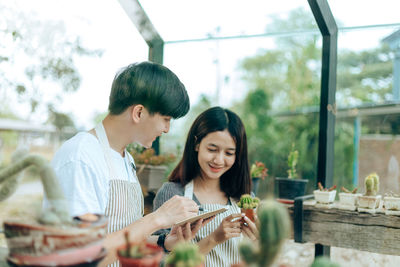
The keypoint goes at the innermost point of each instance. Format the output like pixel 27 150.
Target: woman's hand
pixel 228 228
pixel 184 233
pixel 249 228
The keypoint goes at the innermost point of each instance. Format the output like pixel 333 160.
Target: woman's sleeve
pixel 167 191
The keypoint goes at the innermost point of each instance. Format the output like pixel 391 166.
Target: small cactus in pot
pixel 370 201
pixel 274 228
pixel 348 199
pixel 248 205
pixel 391 202
pixel 325 195
pixel 139 254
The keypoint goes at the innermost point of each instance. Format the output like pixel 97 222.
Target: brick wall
pixel 380 154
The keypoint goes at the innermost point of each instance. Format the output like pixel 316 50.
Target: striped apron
pixel 125 198
pixel 227 253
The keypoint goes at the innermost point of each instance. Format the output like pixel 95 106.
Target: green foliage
pixel 258 170
pixel 283 100
pixel 274 227
pixel 48 53
pixel 185 254
pixel 324 262
pixel 292 162
pixel 248 202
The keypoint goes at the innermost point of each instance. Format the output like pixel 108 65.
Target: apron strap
pixel 189 190
pixel 102 136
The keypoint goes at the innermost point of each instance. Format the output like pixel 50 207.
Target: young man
pixel 98 175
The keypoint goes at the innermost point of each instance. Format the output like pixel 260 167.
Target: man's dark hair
pixel 153 85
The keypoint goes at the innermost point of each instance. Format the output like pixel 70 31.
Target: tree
pixel 288 79
pixel 37 60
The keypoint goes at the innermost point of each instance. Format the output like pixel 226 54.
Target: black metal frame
pixel 327 25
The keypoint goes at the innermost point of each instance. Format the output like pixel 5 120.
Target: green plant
pixel 58 211
pixel 372 184
pixel 322 261
pixel 292 162
pixel 248 202
pixel 148 157
pixel 185 254
pixel 274 228
pixel 259 170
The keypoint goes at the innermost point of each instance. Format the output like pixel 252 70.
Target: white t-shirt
pixel 84 175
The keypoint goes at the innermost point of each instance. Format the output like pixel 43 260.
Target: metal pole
pixel 327 25
pixel 149 33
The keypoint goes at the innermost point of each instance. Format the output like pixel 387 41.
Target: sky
pixel 202 66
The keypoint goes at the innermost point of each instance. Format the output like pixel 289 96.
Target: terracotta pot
pixel 250 213
pixel 37 244
pixel 151 260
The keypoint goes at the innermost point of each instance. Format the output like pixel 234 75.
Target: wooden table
pixel 333 227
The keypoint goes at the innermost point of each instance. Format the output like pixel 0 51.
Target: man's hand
pixel 184 233
pixel 176 209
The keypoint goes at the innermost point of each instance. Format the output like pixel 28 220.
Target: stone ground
pixel 26 202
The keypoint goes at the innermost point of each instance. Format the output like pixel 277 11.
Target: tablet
pixel 205 215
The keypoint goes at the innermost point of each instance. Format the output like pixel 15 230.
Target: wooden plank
pixel 377 233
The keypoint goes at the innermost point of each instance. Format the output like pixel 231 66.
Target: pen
pixel 201 209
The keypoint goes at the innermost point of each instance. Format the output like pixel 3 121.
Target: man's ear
pixel 137 112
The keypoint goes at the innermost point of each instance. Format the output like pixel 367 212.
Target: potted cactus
pixel 248 205
pixel 348 200
pixel 291 187
pixel 258 172
pixel 63 240
pixel 274 227
pixel 140 254
pixel 391 201
pixel 325 195
pixel 370 201
pixel 185 254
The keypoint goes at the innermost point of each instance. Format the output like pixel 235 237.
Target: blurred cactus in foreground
pixel 324 262
pixel 274 228
pixel 185 255
pixel 9 179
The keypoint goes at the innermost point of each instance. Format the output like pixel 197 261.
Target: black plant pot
pixel 254 184
pixel 290 188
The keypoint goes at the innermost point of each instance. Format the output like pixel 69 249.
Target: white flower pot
pixel 392 203
pixel 325 196
pixel 349 199
pixel 369 202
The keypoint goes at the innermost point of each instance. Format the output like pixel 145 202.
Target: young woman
pixel 214 172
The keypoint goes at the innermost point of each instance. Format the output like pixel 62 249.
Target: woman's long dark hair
pixel 234 182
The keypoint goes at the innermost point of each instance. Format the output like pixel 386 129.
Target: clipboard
pixel 205 215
